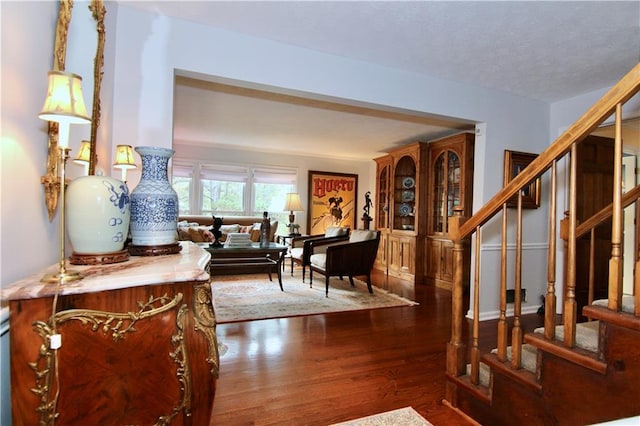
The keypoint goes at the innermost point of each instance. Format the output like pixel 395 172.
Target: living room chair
pixel 350 258
pixel 301 247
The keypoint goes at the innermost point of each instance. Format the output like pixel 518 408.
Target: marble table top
pixel 188 265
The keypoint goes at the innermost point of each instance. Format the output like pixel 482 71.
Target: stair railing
pixel 462 229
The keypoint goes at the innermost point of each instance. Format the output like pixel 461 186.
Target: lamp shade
pixel 64 102
pixel 84 154
pixel 124 157
pixel 292 202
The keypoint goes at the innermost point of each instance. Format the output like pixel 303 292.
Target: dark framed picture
pixel 514 163
pixel 332 201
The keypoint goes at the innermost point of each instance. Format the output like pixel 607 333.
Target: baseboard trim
pixel 496 314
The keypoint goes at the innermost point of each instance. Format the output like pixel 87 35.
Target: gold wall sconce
pixel 84 156
pixel 124 160
pixel 51 180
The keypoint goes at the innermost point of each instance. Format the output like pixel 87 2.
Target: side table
pixel 286 239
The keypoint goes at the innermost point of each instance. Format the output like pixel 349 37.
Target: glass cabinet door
pixel 382 213
pixel 404 196
pixel 438 194
pixel 446 189
pixel 453 182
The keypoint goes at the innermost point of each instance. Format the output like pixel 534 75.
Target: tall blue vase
pixel 154 202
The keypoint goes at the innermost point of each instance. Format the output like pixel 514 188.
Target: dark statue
pixel 215 230
pixel 366 218
pixel 367 206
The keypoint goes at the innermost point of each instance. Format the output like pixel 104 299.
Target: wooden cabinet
pixel 401 211
pixel 138 344
pixel 440 261
pixel 402 261
pixel 450 188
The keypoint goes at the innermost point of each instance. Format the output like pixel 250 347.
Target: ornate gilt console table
pixel 138 344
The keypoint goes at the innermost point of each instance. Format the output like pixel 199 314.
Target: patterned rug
pixel 251 297
pixel 404 416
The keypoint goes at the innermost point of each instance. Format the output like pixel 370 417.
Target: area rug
pixel 404 416
pixel 251 297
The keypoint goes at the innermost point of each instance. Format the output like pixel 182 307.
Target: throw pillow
pixel 195 235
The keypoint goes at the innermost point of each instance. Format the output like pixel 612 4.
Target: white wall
pixel 151 47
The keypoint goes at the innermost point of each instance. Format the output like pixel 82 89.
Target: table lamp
pixel 124 160
pixel 65 105
pixel 293 204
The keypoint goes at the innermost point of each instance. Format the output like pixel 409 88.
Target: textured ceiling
pixel 545 50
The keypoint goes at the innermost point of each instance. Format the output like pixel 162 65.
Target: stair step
pixel 586 338
pixel 628 303
pixel 586 335
pixel 485 373
pixel 528 362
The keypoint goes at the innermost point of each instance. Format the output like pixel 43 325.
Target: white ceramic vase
pixel 154 202
pixel 97 212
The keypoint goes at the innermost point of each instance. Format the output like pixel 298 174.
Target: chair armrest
pixel 310 246
pixel 299 241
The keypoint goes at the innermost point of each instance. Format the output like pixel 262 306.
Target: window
pixel 270 188
pixel 233 190
pixel 182 184
pixel 222 190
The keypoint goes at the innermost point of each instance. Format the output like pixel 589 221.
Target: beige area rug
pixel 251 297
pixel 402 417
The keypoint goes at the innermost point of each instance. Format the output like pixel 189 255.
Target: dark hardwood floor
pixel 323 369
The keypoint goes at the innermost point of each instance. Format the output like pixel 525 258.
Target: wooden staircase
pixel 566 373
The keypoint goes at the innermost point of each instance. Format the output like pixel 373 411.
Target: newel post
pixel 456 348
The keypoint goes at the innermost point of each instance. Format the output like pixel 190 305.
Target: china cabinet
pixel 450 189
pixel 401 211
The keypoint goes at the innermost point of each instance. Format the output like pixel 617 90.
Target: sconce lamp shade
pixel 84 154
pixel 64 102
pixel 292 202
pixel 124 157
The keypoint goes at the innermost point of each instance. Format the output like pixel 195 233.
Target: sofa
pixel 197 228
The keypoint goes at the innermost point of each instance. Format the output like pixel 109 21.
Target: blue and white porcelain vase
pixel 154 202
pixel 97 214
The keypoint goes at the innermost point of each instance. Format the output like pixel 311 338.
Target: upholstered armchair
pixel 350 258
pixel 301 246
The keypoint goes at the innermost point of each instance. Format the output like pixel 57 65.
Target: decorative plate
pixel 408 182
pixel 405 209
pixel 408 195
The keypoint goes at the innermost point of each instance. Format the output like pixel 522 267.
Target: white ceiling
pixel 546 50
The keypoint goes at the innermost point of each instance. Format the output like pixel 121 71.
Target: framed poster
pixel 332 201
pixel 514 163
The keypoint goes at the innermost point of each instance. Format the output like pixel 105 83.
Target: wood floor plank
pixel 322 369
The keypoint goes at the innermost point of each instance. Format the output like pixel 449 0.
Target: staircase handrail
pixel 624 90
pixel 628 198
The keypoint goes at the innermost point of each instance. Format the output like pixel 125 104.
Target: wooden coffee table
pixel 246 260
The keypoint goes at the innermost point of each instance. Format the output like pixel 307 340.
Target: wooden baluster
pixel 636 288
pixel 615 263
pixel 550 297
pixel 475 352
pixel 503 328
pixel 592 264
pixel 636 276
pixel 516 333
pixel 570 308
